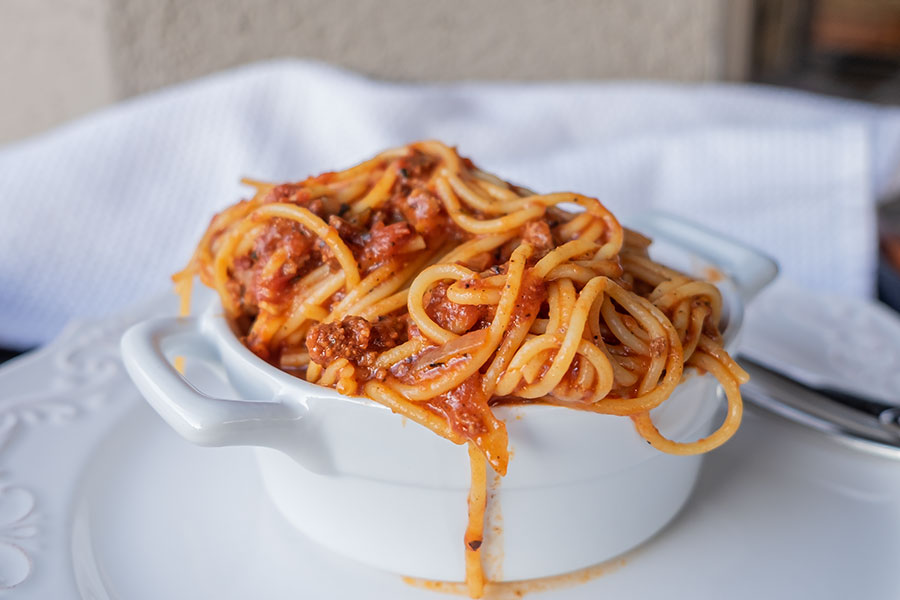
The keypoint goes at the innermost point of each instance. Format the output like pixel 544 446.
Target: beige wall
pixel 54 63
pixel 69 56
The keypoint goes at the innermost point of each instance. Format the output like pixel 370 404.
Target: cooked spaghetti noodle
pixel 439 290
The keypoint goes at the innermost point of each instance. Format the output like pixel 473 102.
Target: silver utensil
pixel 849 417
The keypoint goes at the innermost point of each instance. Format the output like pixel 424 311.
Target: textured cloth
pixel 97 215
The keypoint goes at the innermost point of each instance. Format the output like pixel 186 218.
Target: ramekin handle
pixel 197 417
pixel 750 269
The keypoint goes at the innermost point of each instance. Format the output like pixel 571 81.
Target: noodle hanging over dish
pixel 440 291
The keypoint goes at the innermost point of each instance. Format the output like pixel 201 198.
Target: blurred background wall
pixel 62 58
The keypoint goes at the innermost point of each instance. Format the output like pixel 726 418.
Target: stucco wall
pixel 69 56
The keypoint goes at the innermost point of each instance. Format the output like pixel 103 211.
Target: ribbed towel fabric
pixel 97 214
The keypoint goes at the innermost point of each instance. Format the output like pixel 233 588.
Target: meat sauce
pixel 412 219
pixel 356 339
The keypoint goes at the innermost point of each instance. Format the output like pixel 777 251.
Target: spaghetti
pixel 439 290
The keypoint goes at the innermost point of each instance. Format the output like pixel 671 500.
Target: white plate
pixel 99 499
pixel 826 340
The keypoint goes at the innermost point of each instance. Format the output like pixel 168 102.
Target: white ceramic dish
pixel 367 485
pixel 99 499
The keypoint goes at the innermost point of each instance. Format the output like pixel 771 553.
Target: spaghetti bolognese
pixel 440 291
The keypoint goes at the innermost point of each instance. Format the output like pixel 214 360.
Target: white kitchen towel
pixel 96 215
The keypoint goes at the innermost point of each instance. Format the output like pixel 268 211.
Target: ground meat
pixel 355 339
pixel 284 234
pixel 388 332
pixel 411 201
pixel 348 339
pixel 375 246
pixel 416 166
pixel 247 283
pixel 385 241
pixel 423 211
pixel 458 318
pixel 537 234
pixel 297 193
pixel 353 235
